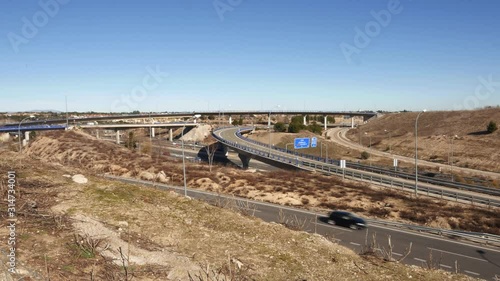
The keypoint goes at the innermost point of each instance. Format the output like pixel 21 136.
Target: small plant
pixel 365 155
pixel 492 127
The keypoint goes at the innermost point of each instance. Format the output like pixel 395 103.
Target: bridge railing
pixel 375 169
pixel 330 168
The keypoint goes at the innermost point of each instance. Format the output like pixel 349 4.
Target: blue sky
pixel 253 55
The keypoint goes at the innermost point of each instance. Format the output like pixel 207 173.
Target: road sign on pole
pixel 299 143
pixel 314 142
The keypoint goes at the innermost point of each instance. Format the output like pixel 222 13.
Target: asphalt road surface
pixel 471 259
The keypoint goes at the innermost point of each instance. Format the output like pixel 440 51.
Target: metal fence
pixel 332 167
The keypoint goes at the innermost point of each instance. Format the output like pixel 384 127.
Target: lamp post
pixel 370 147
pixel 183 161
pixel 269 128
pixel 326 146
pixel 390 141
pixel 19 131
pixel 451 158
pixel 416 152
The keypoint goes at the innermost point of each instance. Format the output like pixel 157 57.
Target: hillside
pixel 105 230
pixel 472 146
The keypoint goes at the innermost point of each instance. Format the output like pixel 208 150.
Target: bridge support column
pixel 152 132
pixel 27 136
pixel 97 133
pixel 305 120
pixel 230 120
pixel 117 136
pixel 325 121
pixel 245 159
pixel 170 135
pixel 352 122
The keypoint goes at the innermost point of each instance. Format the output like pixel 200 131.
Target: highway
pixel 472 259
pixel 230 137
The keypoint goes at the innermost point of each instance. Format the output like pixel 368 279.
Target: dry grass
pixel 472 148
pixel 186 233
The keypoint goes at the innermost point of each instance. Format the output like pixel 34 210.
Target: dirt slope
pixel 472 147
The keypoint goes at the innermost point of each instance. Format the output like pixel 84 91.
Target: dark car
pixel 346 219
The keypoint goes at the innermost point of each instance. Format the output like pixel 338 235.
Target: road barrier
pixel 332 167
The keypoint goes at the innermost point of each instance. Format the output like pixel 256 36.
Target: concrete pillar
pixel 170 135
pixel 305 120
pixel 24 142
pixel 245 160
pixel 27 136
pixel 230 120
pixel 97 134
pixel 117 136
pixel 269 121
pixel 352 122
pixel 152 132
pixel 325 121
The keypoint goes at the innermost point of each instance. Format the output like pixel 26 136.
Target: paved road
pixel 472 259
pixel 229 134
pixel 339 136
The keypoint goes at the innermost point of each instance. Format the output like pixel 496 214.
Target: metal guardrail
pixel 378 170
pixel 329 168
pixel 484 238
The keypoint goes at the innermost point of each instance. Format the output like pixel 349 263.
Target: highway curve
pixel 339 136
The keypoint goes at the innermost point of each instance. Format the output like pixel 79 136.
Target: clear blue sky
pixel 258 55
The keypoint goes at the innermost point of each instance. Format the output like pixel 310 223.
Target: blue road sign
pixel 299 143
pixel 314 142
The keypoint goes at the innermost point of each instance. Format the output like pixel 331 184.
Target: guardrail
pixel 484 238
pixel 332 167
pixel 392 173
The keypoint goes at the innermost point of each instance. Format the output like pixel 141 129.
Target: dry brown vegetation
pixel 472 148
pixel 106 230
pixel 283 187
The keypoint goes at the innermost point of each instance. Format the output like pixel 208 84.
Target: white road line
pixel 355 244
pixel 471 272
pixel 421 260
pixel 445 266
pixel 456 254
pixel 332 226
pixel 397 254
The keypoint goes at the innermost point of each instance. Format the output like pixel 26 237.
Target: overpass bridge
pixel 248 149
pixel 363 114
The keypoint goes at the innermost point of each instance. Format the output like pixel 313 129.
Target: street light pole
pixel 326 147
pixel 416 152
pixel 183 161
pixel 390 141
pixel 19 131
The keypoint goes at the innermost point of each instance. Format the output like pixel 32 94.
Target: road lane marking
pixel 333 226
pixel 397 254
pixel 456 254
pixel 355 244
pixel 421 260
pixel 445 266
pixel 472 272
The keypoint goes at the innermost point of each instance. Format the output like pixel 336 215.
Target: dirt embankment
pixel 457 137
pixel 105 230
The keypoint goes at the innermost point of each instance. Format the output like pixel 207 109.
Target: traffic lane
pixel 357 239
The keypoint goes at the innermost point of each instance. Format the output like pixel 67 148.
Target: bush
pixel 315 128
pixel 295 127
pixel 365 155
pixel 492 127
pixel 280 127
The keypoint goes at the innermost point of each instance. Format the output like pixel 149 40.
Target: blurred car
pixel 346 219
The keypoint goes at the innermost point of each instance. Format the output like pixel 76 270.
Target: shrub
pixel 492 127
pixel 280 127
pixel 365 155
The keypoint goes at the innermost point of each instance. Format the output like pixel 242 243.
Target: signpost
pixel 395 164
pixel 342 166
pixel 314 142
pixel 300 143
